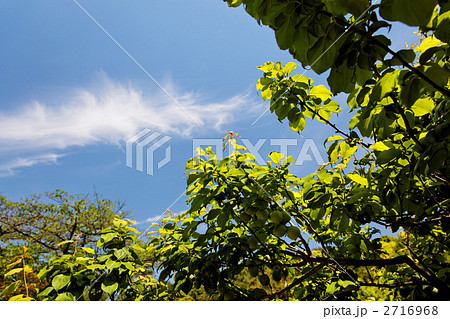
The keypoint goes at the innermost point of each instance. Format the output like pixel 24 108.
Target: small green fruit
pixel 222 288
pixel 254 271
pixel 276 216
pixel 245 217
pixel 228 296
pixel 259 222
pixel 286 217
pixel 264 280
pixel 251 210
pixel 252 243
pixel 280 230
pixel 262 214
pixel 277 273
pixel 293 232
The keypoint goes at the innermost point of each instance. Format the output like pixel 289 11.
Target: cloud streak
pixel 109 113
pixel 8 167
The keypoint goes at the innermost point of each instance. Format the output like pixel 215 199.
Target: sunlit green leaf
pixel 60 281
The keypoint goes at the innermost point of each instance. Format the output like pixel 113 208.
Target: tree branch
pixel 400 58
pixel 337 129
pixel 297 281
pixel 432 279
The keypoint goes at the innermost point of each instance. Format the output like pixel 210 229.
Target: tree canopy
pixel 314 237
pixel 388 169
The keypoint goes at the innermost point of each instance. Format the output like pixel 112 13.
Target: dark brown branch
pixel 342 292
pixel 31 237
pixel 280 264
pixel 396 285
pixel 400 58
pixel 306 221
pixel 432 279
pixel 304 243
pixel 413 136
pixel 338 130
pixel 408 127
pixel 297 281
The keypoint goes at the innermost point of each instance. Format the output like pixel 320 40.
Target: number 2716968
pixel 411 310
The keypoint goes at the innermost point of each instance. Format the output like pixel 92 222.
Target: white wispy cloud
pixel 157 218
pixel 8 167
pixel 110 112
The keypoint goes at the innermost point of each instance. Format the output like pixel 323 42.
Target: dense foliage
pixel 48 225
pixel 388 169
pixel 314 237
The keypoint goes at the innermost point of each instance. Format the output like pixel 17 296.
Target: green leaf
pixel 276 157
pixel 334 138
pixel 386 84
pixel 20 297
pixel 60 281
pixel 234 3
pixel 65 242
pixel 321 92
pixel 296 120
pixel 345 283
pixel 213 213
pixel 285 33
pixel 408 55
pixel 118 223
pixel 439 156
pixel 11 265
pixel 110 286
pixel 322 55
pixel 423 106
pixel 222 219
pixel 355 7
pixel 303 41
pixel 428 54
pixel 387 156
pixel 410 91
pixel 289 67
pixel 379 146
pixel 344 223
pixel 111 264
pixel 258 293
pixel 46 291
pixel 358 179
pixel 11 288
pixel 108 237
pixel 186 286
pixel 341 79
pixel 336 7
pixel 411 12
pixel 88 250
pixel 13 271
pixel 443 27
pixel 439 74
pixel 65 296
pixel 198 202
pixel 332 288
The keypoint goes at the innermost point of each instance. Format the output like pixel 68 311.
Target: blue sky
pixel 70 97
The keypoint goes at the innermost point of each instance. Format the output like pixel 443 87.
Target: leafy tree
pixel 41 223
pixel 49 219
pixel 314 237
pixel 113 271
pixel 388 170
